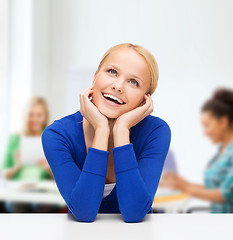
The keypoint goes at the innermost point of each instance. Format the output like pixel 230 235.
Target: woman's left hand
pixel 42 162
pixel 173 180
pixel 131 118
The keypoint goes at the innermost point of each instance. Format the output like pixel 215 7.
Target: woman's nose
pixel 118 85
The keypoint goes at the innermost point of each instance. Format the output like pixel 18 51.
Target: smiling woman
pixel 112 141
pixel 132 71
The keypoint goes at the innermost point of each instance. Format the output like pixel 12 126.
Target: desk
pixel 44 192
pixel 172 201
pixel 169 200
pixel 112 226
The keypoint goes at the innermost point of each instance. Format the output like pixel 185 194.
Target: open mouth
pixel 112 100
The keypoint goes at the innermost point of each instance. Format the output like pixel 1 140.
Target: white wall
pixel 3 83
pixel 191 40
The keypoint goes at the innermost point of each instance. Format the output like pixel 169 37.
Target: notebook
pixel 31 150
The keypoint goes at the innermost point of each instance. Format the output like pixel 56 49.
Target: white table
pixel 112 226
pixel 45 191
pixel 169 200
pixel 12 191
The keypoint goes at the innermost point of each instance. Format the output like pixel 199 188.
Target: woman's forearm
pixel 198 186
pixel 198 190
pixel 121 136
pixel 101 138
pixel 8 173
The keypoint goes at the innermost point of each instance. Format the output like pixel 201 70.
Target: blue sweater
pixel 80 176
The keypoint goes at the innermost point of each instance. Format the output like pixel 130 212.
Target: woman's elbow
pixel 80 217
pixel 83 214
pixel 136 214
pixel 132 218
pixel 85 218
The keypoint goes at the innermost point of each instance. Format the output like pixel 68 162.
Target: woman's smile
pixel 110 102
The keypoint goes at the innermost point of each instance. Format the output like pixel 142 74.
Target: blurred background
pixel 51 49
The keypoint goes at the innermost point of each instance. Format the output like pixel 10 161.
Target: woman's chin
pixel 109 113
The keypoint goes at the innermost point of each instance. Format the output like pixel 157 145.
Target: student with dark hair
pixel 217 121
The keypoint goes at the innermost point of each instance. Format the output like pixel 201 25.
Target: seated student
pixel 217 120
pixel 36 120
pixel 112 139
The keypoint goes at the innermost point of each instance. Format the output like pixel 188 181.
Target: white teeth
pixel 115 98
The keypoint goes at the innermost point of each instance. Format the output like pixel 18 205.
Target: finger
pixel 88 94
pixel 144 106
pixel 87 91
pixel 85 94
pixel 147 107
pixel 150 100
pixel 86 100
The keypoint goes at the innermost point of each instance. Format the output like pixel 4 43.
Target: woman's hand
pixel 9 173
pixel 131 118
pixel 42 162
pixel 17 158
pixel 174 181
pixel 90 111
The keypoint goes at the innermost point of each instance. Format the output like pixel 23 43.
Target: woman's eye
pixel 111 70
pixel 134 81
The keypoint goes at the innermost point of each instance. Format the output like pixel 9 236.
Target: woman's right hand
pixel 90 111
pixel 17 158
pixel 9 173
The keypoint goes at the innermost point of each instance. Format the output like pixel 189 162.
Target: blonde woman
pixel 36 119
pixel 108 156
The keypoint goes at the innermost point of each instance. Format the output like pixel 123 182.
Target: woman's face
pixel 36 118
pixel 214 127
pixel 124 74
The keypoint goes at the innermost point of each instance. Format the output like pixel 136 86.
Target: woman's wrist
pixel 103 129
pixel 119 128
pixel 186 187
pixel 17 166
pixel 121 136
pixel 101 138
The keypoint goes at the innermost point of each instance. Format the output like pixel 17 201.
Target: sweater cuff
pixel 124 158
pixel 96 161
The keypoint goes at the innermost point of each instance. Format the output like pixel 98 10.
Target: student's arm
pixel 198 185
pixel 213 195
pixel 11 163
pixel 8 173
pixel 221 194
pixel 137 181
pixel 81 190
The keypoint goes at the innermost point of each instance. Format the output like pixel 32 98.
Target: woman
pixel 112 145
pixel 217 120
pixel 36 119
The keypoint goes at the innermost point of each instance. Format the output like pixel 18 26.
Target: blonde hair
pixel 34 101
pixel 151 62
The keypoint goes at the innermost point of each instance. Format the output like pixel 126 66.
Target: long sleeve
pixel 12 146
pixel 137 180
pixel 81 190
